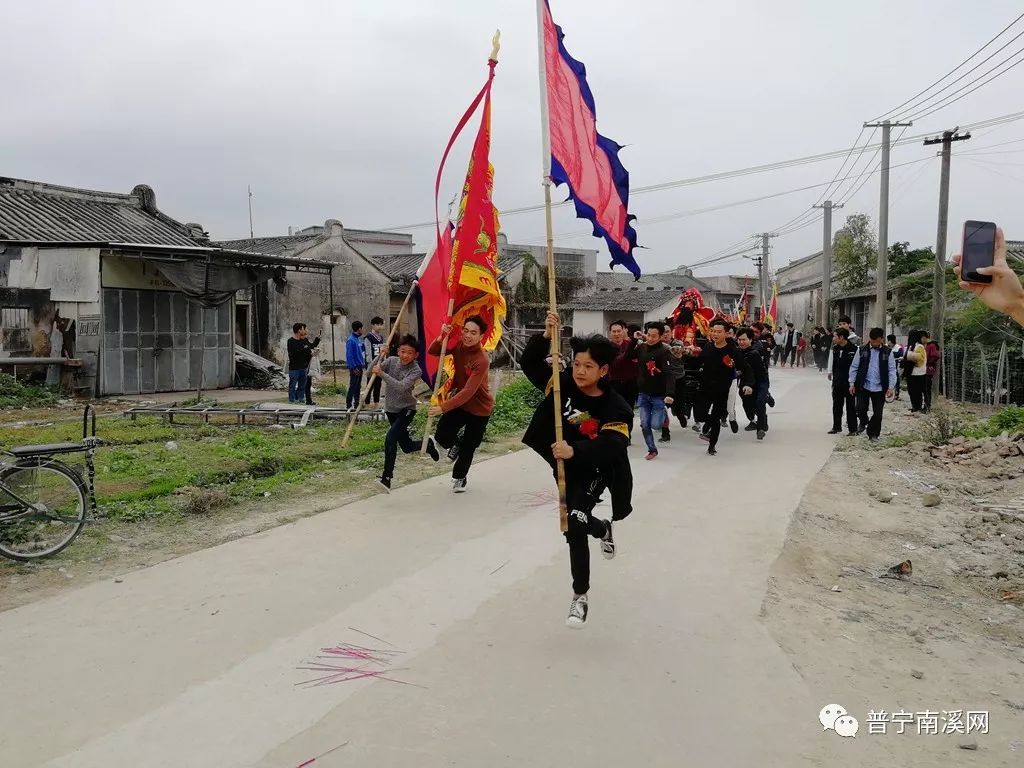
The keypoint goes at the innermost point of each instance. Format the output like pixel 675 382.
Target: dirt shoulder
pixel 948 637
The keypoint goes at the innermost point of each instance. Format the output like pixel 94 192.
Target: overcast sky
pixel 341 108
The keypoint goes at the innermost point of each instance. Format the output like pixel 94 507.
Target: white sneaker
pixel 459 486
pixel 608 543
pixel 577 612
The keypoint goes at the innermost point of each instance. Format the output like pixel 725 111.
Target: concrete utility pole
pixel 762 268
pixel 882 273
pixel 824 313
pixel 939 277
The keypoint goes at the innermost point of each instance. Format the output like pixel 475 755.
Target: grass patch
pixel 149 470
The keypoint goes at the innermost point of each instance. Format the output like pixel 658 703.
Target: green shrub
pixel 1009 419
pixel 513 406
pixel 15 394
pixel 331 390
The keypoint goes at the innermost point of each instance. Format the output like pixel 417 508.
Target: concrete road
pixel 194 662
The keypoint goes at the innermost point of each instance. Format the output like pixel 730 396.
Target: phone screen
pixel 979 250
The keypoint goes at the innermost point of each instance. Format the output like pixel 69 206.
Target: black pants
pixel 355 382
pixel 582 494
pixel 398 437
pixel 683 404
pixel 928 384
pixel 373 391
pixel 309 390
pixel 718 400
pixel 915 387
pixel 877 400
pixel 629 390
pixel 841 398
pixel 755 405
pixel 789 354
pixel 447 434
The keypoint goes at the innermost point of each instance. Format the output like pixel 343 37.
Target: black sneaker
pixel 458 485
pixel 734 426
pixel 712 451
pixel 666 436
pixel 751 427
pixel 682 422
pixel 608 542
pixel 834 431
pixel 385 483
pixel 453 452
pixel 854 433
pixel 577 612
pixel 431 449
pixel 771 401
pixel 725 422
pixel 760 434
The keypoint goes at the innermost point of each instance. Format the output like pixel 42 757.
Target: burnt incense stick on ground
pixel 355 662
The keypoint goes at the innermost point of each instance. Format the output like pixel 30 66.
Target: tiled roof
pixel 1015 248
pixel 274 246
pixel 31 211
pixel 607 281
pixel 405 266
pixel 639 300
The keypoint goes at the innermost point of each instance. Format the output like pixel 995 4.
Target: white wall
pixel 585 321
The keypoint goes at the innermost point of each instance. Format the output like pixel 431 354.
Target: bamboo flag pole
pixel 556 367
pixel 384 351
pixel 437 378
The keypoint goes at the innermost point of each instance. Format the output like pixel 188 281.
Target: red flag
pixel 473 271
pixel 432 300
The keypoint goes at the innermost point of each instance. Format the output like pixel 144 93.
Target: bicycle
pixel 43 501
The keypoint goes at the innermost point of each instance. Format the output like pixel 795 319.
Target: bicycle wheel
pixel 57 495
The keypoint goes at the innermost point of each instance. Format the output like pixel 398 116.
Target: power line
pixel 965 74
pixel 961 64
pixel 807 160
pixel 951 100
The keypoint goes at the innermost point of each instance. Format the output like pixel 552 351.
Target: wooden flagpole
pixel 384 352
pixel 437 378
pixel 556 366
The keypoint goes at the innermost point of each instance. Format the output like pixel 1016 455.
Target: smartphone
pixel 979 250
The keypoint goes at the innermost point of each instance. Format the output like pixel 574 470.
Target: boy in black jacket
pixel 842 358
pixel 596 423
pixel 721 363
pixel 755 398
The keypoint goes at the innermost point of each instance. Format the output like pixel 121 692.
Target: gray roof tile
pixel 626 300
pixel 35 212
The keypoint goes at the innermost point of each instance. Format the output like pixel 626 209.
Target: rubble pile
pixel 1000 456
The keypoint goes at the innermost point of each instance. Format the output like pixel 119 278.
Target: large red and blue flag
pixel 581 158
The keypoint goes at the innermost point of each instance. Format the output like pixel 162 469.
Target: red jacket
pixel 934 357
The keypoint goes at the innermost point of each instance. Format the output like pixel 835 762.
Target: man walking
pixel 780 346
pixel 355 361
pixel 843 353
pixel 872 377
pixel 624 373
pixel 789 346
pixel 898 351
pixel 300 352
pixel 470 404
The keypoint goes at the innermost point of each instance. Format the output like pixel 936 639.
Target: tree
pixel 855 252
pixel 903 261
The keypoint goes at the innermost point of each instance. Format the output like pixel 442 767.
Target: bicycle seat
pixel 46 450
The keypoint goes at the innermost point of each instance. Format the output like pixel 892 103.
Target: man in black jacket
pixel 755 398
pixel 596 423
pixel 842 358
pixel 300 353
pixel 722 361
pixel 657 386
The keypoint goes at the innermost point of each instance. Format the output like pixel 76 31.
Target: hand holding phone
pixel 1004 291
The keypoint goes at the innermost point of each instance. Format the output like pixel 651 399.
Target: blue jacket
pixel 355 359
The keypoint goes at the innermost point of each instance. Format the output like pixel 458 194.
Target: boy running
pixel 469 406
pixel 721 363
pixel 596 423
pixel 400 373
pixel 656 384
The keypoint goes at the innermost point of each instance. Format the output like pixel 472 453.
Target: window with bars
pixel 15 331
